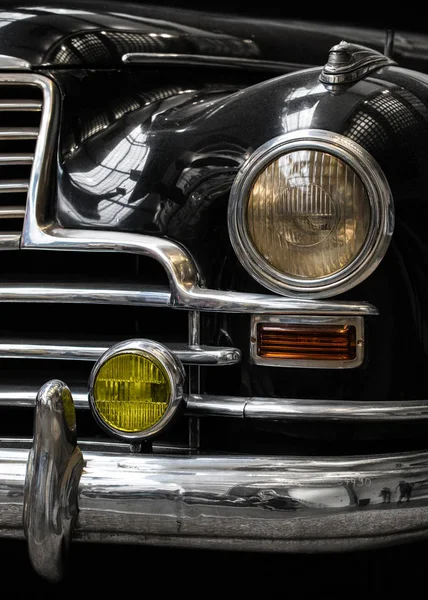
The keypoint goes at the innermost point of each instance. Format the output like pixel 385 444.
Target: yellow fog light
pixel 135 389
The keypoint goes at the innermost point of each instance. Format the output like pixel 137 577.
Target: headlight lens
pixel 308 214
pixel 131 392
pixel 135 389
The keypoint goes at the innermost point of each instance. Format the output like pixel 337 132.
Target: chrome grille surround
pixel 36 184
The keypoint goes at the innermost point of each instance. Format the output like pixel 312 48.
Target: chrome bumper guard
pixel 52 493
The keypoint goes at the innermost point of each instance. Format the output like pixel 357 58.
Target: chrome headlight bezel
pixel 172 369
pixel 381 214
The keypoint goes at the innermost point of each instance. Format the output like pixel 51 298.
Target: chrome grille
pixel 62 331
pixel 21 107
pixel 168 293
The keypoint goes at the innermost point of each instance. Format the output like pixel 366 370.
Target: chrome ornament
pixel 54 468
pixel 347 63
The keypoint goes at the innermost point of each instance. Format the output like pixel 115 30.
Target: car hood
pixel 99 34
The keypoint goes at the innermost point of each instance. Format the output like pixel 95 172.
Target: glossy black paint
pixel 161 159
pixel 98 33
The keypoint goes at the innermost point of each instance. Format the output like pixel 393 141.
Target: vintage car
pixel 214 281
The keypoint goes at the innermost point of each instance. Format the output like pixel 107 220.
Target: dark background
pixel 108 571
pixel 409 15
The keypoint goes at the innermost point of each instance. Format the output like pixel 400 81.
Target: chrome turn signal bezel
pixel 174 372
pixel 311 321
pixel 381 214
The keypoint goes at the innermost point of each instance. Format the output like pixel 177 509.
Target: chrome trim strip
pixel 333 410
pixel 378 236
pixel 181 269
pixel 204 60
pixel 24 396
pixel 13 63
pixel 91 351
pixel 18 185
pixel 294 409
pixel 9 241
pixel 21 105
pixel 357 322
pixel 127 295
pixel 16 159
pixel 12 212
pixel 248 407
pixel 172 370
pixel 187 288
pixel 18 133
pixel 69 293
pixel 208 405
pixel 194 376
pixel 241 502
pixel 52 478
pixel 214 356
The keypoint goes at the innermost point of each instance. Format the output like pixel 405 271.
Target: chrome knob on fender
pixel 135 389
pixel 347 63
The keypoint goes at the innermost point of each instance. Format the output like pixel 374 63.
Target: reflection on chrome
pixel 257 502
pixel 293 409
pixel 54 468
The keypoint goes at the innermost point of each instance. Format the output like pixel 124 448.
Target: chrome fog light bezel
pixel 174 372
pixel 381 214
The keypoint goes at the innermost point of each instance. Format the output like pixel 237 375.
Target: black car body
pixel 132 142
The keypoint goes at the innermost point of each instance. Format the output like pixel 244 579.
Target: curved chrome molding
pixel 54 468
pixel 69 350
pixel 348 63
pixel 182 272
pixel 286 409
pixel 187 287
pixel 13 63
pixel 171 366
pixel 202 60
pixel 381 225
pixel 242 502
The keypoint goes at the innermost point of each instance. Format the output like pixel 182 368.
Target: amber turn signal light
pixel 306 342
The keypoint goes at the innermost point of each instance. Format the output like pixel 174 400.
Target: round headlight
pixel 135 389
pixel 310 212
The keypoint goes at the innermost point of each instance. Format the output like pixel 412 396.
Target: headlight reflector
pixel 135 389
pixel 310 213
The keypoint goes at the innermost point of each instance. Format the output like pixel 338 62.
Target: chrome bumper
pixel 51 493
